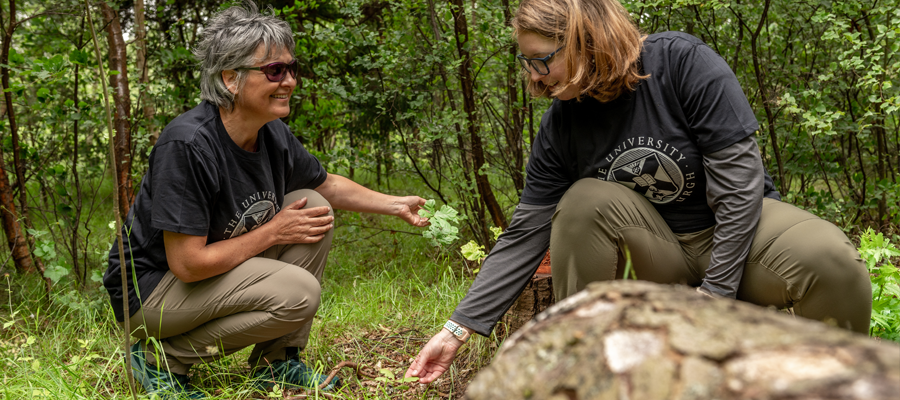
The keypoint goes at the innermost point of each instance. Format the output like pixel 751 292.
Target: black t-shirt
pixel 199 182
pixel 651 140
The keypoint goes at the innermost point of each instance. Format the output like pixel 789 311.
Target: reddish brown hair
pixel 602 45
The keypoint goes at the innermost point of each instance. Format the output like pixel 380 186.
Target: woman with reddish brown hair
pixel 648 149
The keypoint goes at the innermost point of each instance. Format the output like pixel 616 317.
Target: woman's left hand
pixel 408 209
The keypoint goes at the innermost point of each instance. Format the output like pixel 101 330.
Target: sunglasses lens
pixel 293 68
pixel 274 72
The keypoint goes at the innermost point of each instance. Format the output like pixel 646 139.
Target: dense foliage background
pixel 404 96
pixel 430 92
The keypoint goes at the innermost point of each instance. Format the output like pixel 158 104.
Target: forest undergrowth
pixel 386 291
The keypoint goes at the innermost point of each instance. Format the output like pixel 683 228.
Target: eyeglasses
pixel 275 72
pixel 537 64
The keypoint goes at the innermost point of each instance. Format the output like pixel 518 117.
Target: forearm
pixel 506 270
pixel 191 259
pixel 735 191
pixel 345 194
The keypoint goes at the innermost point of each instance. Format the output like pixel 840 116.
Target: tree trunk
pixel 472 205
pixel 764 96
pixel 467 84
pixel 118 61
pixel 639 340
pixel 515 128
pixel 15 238
pixel 18 246
pixel 141 47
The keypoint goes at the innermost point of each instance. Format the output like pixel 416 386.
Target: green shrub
pixel 877 251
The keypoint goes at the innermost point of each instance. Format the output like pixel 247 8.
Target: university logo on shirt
pixel 648 172
pixel 259 208
pixel 258 214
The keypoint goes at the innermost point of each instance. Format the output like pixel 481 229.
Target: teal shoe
pixel 157 381
pixel 292 373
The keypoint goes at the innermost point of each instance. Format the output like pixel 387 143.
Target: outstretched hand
pixel 434 359
pixel 408 210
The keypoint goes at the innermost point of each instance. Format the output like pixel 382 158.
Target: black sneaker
pixel 160 382
pixel 292 373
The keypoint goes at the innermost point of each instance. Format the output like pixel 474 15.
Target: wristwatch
pixel 458 331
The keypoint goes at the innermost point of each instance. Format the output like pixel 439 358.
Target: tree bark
pixel 764 95
pixel 514 129
pixel 118 61
pixel 15 235
pixel 639 340
pixel 467 84
pixel 141 46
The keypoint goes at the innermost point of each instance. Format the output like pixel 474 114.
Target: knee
pixel 297 297
pixel 828 257
pixel 585 200
pixel 314 199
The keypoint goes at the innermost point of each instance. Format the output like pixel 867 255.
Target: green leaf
pixel 56 272
pixel 79 57
pixel 473 251
pixel 15 58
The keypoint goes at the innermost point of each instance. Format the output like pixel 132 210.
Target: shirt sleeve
pixel 305 172
pixel 507 269
pixel 735 187
pixel 712 100
pixel 184 183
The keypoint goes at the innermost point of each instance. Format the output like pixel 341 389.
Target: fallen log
pixel 643 341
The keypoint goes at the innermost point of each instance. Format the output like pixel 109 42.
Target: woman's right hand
pixel 434 359
pixel 294 224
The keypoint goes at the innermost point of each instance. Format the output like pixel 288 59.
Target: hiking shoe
pixel 157 381
pixel 292 373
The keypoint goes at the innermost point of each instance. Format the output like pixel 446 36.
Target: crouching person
pixel 227 240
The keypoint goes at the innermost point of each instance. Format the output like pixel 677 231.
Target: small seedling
pixel 388 377
pixel 443 230
pixel 473 251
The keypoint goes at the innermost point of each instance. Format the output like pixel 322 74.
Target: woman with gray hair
pixel 228 237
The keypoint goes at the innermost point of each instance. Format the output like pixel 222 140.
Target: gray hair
pixel 229 41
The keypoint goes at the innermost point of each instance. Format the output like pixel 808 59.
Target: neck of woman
pixel 243 131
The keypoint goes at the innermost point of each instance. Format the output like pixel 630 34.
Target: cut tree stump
pixel 643 341
pixel 535 298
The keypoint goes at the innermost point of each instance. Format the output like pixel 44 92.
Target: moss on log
pixel 638 340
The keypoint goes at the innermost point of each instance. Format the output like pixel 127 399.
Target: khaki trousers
pixel 268 301
pixel 796 259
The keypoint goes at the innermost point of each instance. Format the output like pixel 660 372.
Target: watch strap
pixel 458 331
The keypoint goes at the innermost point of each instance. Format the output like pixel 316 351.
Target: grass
pixel 385 293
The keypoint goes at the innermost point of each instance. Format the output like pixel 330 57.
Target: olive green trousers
pixel 268 301
pixel 796 259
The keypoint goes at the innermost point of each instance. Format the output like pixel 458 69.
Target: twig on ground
pixel 348 364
